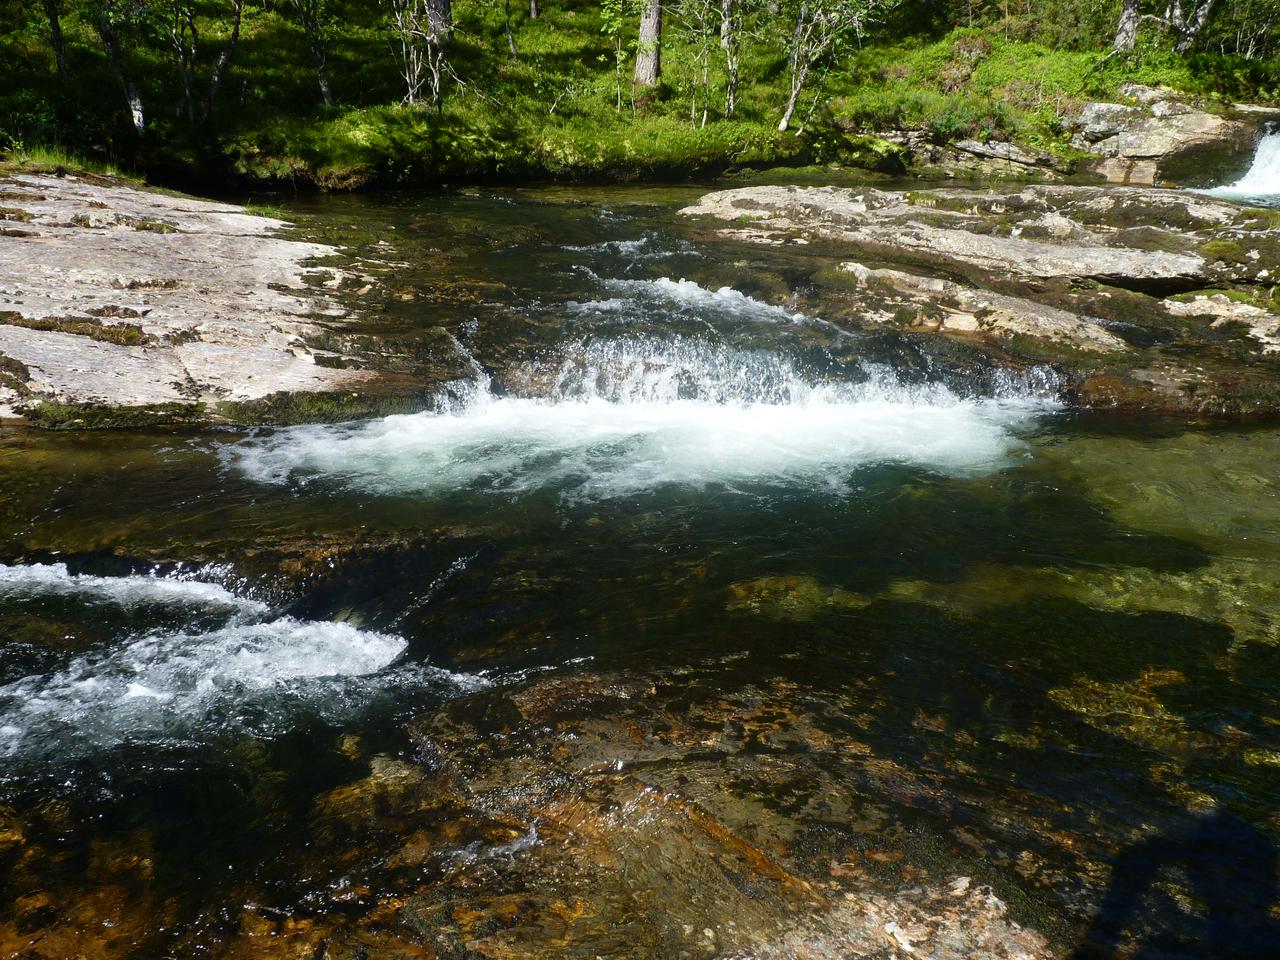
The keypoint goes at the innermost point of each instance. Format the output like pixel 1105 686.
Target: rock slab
pixel 116 296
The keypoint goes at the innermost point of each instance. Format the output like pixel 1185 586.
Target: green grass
pixel 45 158
pixel 550 112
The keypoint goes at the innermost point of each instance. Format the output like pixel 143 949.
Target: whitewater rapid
pixel 1262 182
pixel 626 416
pixel 249 670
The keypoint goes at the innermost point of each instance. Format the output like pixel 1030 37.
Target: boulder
pixel 1161 137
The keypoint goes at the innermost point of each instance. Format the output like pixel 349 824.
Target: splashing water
pixel 252 672
pixel 630 416
pixel 1262 182
pixel 648 247
pixel 54 579
pixel 639 296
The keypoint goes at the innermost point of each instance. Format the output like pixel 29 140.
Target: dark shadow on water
pixel 1228 866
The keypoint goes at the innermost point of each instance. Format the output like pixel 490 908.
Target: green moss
pixel 265 210
pixel 154 226
pixel 289 407
pixel 1228 251
pixel 14 374
pixel 124 334
pixel 88 416
pixel 1254 298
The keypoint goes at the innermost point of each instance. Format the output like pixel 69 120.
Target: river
pixel 886 616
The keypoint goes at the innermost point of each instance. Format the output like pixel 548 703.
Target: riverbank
pixel 556 102
pixel 126 306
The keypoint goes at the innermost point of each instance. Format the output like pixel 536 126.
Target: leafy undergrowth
pixel 556 109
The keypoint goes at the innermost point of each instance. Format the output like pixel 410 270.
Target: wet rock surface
pixel 1144 299
pixel 121 306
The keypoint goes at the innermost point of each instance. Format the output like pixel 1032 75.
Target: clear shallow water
pixel 1058 633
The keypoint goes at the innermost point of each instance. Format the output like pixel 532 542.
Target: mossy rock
pixel 1228 251
pixel 51 415
pixel 287 407
pixel 874 153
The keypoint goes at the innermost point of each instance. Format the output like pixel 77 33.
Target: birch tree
pixel 108 19
pixel 1185 24
pixel 698 21
pixel 1127 27
pixel 311 15
pixel 732 17
pixel 820 28
pixel 421 27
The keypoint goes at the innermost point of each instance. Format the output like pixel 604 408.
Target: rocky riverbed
pixel 752 590
pixel 1145 299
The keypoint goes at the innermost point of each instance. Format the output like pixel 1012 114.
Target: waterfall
pixel 1263 178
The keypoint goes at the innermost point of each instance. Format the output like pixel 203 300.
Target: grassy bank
pixel 551 110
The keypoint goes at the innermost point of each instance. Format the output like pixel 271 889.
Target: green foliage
pixel 951 69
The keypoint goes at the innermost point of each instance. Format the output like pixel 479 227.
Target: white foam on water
pixel 684 295
pixel 53 579
pixel 648 247
pixel 250 674
pixel 1262 182
pixel 628 417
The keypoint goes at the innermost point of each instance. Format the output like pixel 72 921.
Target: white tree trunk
pixel 1190 30
pixel 1127 28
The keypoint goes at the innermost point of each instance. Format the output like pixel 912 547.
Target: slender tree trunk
pixel 797 84
pixel 533 9
pixel 55 38
pixel 224 59
pixel 800 60
pixel 185 39
pixel 1127 28
pixel 730 43
pixel 506 23
pixel 310 13
pixel 440 17
pixel 132 97
pixel 322 72
pixel 1190 31
pixel 649 54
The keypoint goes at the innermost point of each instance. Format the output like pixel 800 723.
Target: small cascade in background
pixel 1262 182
